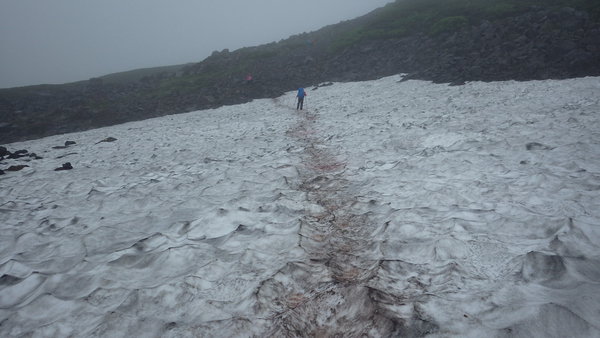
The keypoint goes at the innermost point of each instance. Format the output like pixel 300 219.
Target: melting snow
pixel 385 208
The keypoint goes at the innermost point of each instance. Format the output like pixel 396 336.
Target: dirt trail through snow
pixel 330 294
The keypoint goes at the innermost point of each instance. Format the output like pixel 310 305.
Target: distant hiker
pixel 300 96
pixel 248 78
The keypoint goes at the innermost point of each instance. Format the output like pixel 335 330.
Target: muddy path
pixel 333 293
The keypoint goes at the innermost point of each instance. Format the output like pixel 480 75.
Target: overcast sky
pixel 58 41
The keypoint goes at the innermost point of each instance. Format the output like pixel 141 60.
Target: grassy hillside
pixel 432 17
pixel 139 74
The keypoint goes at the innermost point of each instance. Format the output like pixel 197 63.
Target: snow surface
pixel 386 208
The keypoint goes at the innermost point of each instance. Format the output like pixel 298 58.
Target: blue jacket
pixel 301 93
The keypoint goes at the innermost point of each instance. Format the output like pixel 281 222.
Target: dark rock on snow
pixel 16 167
pixel 108 139
pixel 326 84
pixel 65 166
pixel 67 144
pixel 18 154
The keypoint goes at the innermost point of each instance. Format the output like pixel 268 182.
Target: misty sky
pixel 57 41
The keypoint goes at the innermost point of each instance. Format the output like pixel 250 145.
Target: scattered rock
pixel 325 84
pixel 16 167
pixel 67 144
pixel 108 139
pixel 65 166
pixel 18 154
pixel 1 172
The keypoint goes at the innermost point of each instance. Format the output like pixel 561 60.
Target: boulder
pixel 108 139
pixel 67 144
pixel 18 154
pixel 65 166
pixel 16 167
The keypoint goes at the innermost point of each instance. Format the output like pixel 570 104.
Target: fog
pixel 62 41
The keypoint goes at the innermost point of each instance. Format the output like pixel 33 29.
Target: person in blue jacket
pixel 300 96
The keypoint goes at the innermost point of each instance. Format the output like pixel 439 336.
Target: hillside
pixel 450 41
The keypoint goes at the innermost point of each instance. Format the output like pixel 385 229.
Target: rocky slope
pixel 453 45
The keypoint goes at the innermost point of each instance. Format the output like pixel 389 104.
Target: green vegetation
pixel 399 19
pixel 139 74
pixel 449 24
pixel 216 71
pixel 433 17
pixel 187 84
pixel 258 54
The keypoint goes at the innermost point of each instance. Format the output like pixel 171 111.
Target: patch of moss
pixel 449 24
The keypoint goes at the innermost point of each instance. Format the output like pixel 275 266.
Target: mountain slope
pixel 414 209
pixel 449 41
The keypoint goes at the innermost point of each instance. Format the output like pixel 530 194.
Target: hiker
pixel 248 78
pixel 300 96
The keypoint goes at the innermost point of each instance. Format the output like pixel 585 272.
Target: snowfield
pixel 385 208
